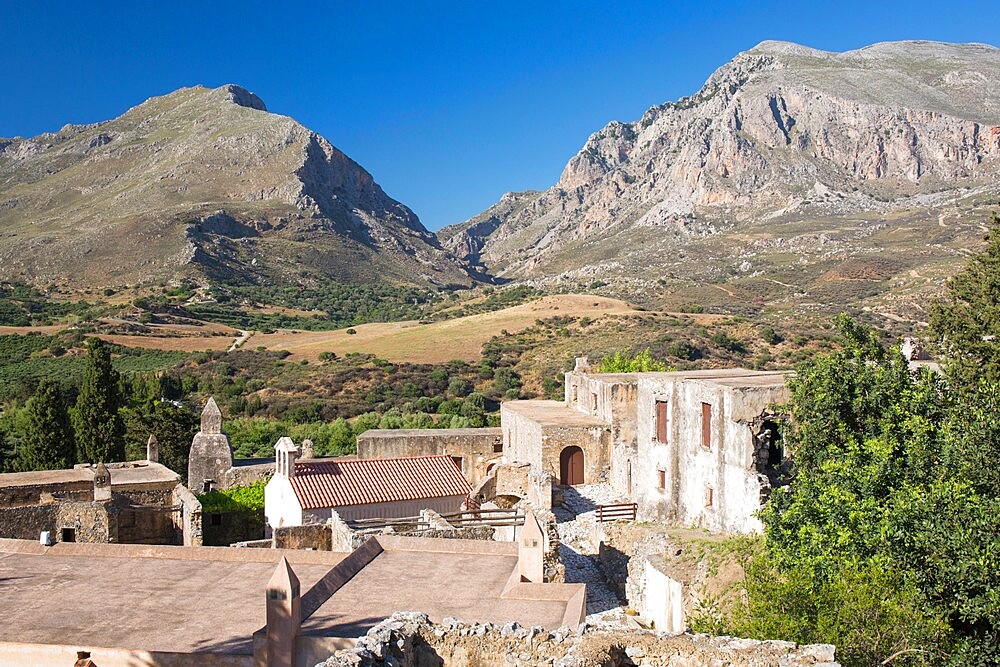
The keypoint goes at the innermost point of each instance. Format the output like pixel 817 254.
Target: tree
pixel 47 442
pixel 623 362
pixel 100 433
pixel 966 325
pixel 174 428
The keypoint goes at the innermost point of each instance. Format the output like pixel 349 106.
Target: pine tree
pixel 47 443
pixel 967 324
pixel 100 434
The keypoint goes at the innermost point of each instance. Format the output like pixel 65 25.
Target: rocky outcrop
pixel 205 183
pixel 780 131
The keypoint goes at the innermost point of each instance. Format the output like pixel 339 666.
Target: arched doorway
pixel 571 466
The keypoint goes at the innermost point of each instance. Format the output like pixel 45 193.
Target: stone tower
pixel 152 449
pixel 284 615
pixel 211 456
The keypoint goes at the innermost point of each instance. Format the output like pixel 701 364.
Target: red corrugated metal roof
pixel 319 484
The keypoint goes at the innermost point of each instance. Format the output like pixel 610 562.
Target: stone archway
pixel 571 466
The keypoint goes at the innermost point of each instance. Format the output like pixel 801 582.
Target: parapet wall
pixel 411 640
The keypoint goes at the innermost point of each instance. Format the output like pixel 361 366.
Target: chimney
pixel 284 615
pixel 307 449
pixel 211 418
pixel 102 483
pixel 582 365
pixel 152 449
pixel 531 550
pixel 285 453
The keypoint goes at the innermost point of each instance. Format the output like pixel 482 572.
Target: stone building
pixel 476 450
pixel 312 490
pixel 697 448
pixel 137 502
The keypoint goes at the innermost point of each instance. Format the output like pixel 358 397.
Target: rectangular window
pixel 68 535
pixel 661 479
pixel 458 461
pixel 498 445
pixel 661 421
pixel 706 425
pixel 708 496
pixel 593 402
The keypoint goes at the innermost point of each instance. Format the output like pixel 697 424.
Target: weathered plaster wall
pixel 478 447
pixel 37 494
pixel 717 487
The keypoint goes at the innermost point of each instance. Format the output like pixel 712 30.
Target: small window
pixel 207 486
pixel 216 520
pixel 661 479
pixel 574 393
pixel 68 535
pixel 661 421
pixel 706 425
pixel 593 402
pixel 708 496
pixel 458 461
pixel 498 445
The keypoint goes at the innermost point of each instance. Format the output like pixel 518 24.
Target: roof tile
pixel 320 484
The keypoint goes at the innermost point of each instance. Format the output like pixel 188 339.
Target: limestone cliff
pixel 780 135
pixel 202 182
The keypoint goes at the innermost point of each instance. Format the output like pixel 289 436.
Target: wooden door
pixel 571 466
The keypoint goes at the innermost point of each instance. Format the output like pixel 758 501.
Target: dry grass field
pixel 437 342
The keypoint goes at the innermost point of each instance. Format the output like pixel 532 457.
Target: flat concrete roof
pixel 725 377
pixel 456 578
pixel 212 599
pixel 553 413
pixel 429 433
pixel 124 474
pixel 175 599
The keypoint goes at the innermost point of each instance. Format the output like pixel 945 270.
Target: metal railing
pixel 626 511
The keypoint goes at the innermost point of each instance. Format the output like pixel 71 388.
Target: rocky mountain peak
pixel 243 97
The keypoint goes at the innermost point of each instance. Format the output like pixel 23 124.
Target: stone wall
pixel 317 536
pixel 27 522
pixel 146 514
pixel 477 447
pixel 188 519
pixel 409 639
pixel 39 494
pixel 93 522
pixel 220 529
pixel 247 475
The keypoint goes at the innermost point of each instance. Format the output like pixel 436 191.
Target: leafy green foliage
pixel 48 441
pixel 173 426
pixel 98 426
pixel 887 539
pixel 967 324
pixel 624 362
pixel 246 499
pixel 22 305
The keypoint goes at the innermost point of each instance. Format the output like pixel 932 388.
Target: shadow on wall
pixel 571 498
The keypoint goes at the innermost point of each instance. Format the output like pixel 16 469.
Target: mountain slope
pixel 783 145
pixel 202 183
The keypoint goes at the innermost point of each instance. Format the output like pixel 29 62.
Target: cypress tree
pixel 47 443
pixel 100 433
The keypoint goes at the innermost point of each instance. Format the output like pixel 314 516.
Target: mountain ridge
pixel 206 183
pixel 782 135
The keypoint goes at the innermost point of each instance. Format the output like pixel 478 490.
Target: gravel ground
pixel 575 517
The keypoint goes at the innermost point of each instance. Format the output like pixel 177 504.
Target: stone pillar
pixel 211 456
pixel 102 483
pixel 152 450
pixel 531 550
pixel 307 449
pixel 284 615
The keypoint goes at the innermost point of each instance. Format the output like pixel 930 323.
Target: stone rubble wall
pixel 409 639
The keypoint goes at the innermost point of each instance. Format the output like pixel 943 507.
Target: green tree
pixel 174 428
pixel 624 362
pixel 47 442
pixel 966 324
pixel 100 433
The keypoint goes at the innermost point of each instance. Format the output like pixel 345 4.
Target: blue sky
pixel 449 105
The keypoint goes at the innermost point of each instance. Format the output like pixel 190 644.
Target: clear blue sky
pixel 449 105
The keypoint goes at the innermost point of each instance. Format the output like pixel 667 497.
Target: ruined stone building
pixel 313 490
pixel 476 450
pixel 697 448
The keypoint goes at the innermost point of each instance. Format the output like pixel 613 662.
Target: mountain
pixel 793 176
pixel 207 184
